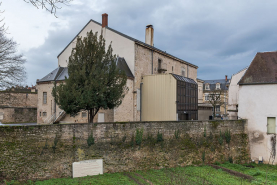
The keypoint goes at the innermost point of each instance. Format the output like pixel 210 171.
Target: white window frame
pixel 217 85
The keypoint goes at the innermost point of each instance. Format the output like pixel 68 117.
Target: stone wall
pixel 18 115
pixel 48 151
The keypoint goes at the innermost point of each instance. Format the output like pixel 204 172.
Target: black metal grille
pixel 187 100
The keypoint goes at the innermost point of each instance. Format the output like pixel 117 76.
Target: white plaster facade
pixel 233 95
pixel 256 104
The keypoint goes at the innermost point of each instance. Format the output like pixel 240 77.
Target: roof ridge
pixel 128 37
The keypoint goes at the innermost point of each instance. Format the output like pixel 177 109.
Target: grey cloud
pixel 221 37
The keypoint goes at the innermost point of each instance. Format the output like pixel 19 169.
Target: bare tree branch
pixel 12 71
pixel 215 99
pixel 49 5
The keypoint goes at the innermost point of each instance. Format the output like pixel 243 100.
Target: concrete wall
pixel 256 103
pixel 233 95
pixel 159 98
pixel 29 152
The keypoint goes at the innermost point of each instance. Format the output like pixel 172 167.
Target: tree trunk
pixel 91 115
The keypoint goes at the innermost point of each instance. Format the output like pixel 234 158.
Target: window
pixel 218 86
pixel 40 114
pixel 271 125
pixel 206 97
pixel 217 108
pixel 207 86
pixel 44 97
pixel 172 69
pixel 84 114
pixel 101 117
pixel 183 71
pixel 44 114
pixel 159 63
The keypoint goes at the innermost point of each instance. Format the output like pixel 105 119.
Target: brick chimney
pixel 149 35
pixel 104 20
pixel 226 78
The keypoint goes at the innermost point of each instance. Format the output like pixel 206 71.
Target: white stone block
pixel 88 167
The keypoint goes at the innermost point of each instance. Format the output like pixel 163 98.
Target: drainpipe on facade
pixel 55 101
pixel 152 60
pixel 140 100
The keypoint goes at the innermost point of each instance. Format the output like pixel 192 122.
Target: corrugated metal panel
pixel 158 98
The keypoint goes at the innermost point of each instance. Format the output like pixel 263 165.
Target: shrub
pixel 124 138
pixel 159 137
pixel 55 144
pixel 90 139
pixel 228 136
pixel 203 156
pixel 230 159
pixel 205 134
pixel 220 139
pixel 139 134
pixel 177 134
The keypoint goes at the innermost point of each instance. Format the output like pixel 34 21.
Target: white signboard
pixel 88 167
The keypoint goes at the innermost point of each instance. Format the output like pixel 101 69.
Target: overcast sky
pixel 220 37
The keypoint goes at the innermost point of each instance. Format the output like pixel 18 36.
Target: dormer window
pixel 207 86
pixel 217 85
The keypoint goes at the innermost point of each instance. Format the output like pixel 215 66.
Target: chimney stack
pixel 226 78
pixel 149 35
pixel 104 20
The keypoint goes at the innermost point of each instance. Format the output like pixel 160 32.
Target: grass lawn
pixel 260 172
pixel 179 175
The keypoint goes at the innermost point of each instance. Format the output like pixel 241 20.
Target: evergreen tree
pixel 95 82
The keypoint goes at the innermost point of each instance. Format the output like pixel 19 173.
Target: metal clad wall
pixel 159 98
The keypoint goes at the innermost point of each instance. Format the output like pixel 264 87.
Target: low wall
pixel 48 151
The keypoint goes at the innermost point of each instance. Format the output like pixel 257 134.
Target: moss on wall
pixel 43 152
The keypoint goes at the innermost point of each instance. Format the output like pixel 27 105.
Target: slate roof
pixel 213 83
pixel 262 70
pixel 60 73
pixel 184 79
pixel 131 38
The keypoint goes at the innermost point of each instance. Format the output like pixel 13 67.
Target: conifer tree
pixel 95 82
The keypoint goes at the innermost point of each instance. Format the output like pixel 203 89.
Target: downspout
pixel 140 100
pixel 152 60
pixel 55 100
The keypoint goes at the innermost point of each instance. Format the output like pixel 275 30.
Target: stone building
pixel 257 103
pixel 142 58
pixel 219 86
pixel 18 105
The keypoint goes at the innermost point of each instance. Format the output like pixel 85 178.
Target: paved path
pixel 18 124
